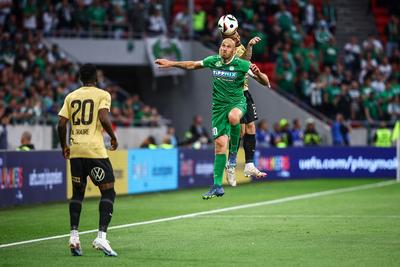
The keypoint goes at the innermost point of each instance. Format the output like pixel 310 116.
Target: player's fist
pixel 114 144
pixel 255 69
pixel 162 63
pixel 254 41
pixel 66 152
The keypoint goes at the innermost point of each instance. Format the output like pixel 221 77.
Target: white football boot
pixel 75 246
pixel 230 174
pixel 104 245
pixel 251 170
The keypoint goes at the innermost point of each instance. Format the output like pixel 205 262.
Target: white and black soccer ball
pixel 227 24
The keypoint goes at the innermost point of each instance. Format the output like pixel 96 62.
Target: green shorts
pixel 220 121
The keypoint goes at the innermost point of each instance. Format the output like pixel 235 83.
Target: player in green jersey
pixel 248 128
pixel 228 102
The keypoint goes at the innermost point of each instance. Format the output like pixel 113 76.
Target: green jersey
pixel 228 79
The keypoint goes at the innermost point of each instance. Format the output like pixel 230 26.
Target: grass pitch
pixel 360 228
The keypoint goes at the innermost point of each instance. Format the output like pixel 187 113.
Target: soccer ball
pixel 227 24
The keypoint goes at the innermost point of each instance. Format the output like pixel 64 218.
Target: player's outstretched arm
pixel 259 76
pixel 249 49
pixel 186 65
pixel 106 123
pixel 62 135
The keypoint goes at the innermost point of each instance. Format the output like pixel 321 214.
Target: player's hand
pixel 66 152
pixel 257 72
pixel 114 144
pixel 254 41
pixel 162 63
pixel 255 69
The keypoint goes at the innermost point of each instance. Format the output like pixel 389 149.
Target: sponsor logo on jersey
pixel 225 74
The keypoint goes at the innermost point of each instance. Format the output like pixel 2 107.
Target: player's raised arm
pixel 249 49
pixel 187 65
pixel 259 76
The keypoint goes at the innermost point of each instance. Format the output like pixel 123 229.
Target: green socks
pixel 219 166
pixel 234 140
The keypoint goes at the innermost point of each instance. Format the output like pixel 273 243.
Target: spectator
pixel 330 13
pixel 260 49
pixel 343 102
pixel 340 132
pixel 382 136
pixel 371 108
pixel 173 139
pixel 26 144
pixel 392 31
pixel 330 53
pixel 137 17
pixel 149 142
pixel 97 16
pixel 394 108
pixel 311 136
pixel 275 138
pixel 297 133
pixel 373 45
pixel 197 132
pixel 156 24
pixel 283 18
pixel 352 55
pixel 166 143
pixel 285 136
pixel 199 21
pixel 385 68
pixel 286 77
pixel 181 24
pixel 322 36
pixel 309 16
pixel 64 14
pixel 263 134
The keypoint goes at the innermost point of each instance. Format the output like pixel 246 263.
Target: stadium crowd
pixel 363 82
pixel 34 80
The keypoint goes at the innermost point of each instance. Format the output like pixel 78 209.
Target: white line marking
pixel 282 216
pixel 246 206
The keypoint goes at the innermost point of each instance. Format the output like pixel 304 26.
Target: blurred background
pixel 334 65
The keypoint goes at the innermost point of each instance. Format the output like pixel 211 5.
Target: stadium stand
pixel 34 78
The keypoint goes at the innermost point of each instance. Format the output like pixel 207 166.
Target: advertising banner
pixel 151 170
pixel 32 177
pixel 119 161
pixel 167 48
pixel 196 168
pixel 327 162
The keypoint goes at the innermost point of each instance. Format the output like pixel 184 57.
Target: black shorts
pixel 251 113
pixel 99 170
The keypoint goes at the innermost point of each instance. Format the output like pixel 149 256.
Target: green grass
pixel 359 228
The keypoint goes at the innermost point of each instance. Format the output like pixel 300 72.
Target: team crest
pixel 218 64
pixel 97 173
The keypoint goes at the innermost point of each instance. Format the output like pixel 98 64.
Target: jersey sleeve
pixel 64 112
pixel 245 65
pixel 105 101
pixel 208 61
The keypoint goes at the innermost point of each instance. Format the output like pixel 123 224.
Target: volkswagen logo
pixel 97 173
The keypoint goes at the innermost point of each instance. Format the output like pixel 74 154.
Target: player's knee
pixel 234 118
pixel 251 128
pixel 108 194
